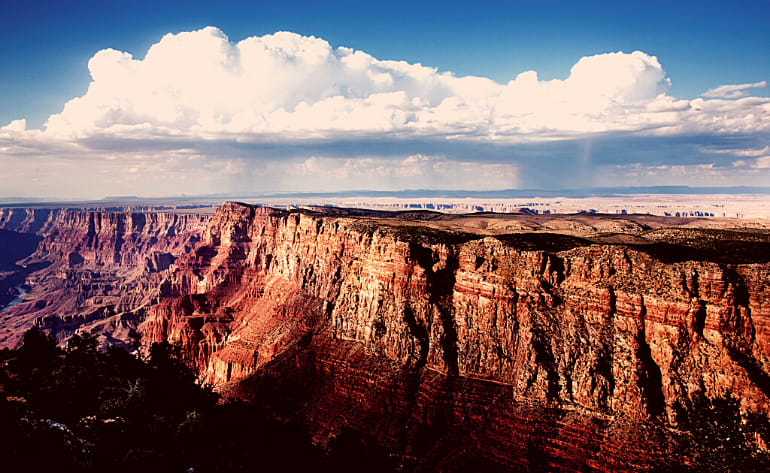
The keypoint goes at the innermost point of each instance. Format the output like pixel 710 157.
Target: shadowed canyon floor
pixel 480 342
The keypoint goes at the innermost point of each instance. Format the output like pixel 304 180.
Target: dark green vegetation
pixel 717 439
pixel 743 246
pixel 82 410
pixel 88 411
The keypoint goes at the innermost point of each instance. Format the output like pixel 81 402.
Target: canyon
pixel 479 342
pixel 87 270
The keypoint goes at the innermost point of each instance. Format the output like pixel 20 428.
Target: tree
pixel 38 351
pixel 83 344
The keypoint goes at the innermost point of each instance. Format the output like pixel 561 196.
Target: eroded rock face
pixel 94 270
pixel 603 331
pixel 28 220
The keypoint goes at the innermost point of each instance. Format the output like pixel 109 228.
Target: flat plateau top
pixel 580 224
pixel 672 239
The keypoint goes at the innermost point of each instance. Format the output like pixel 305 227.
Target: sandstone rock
pixel 94 270
pixel 608 331
pixel 531 352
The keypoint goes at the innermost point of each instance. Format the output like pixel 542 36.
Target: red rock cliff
pixel 604 330
pixel 92 269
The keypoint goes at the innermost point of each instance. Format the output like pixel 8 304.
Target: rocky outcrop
pixel 38 221
pixel 471 332
pixel 93 270
pixel 532 351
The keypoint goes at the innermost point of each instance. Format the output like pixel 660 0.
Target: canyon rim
pixel 393 236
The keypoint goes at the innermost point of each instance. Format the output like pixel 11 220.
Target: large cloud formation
pixel 197 97
pixel 202 84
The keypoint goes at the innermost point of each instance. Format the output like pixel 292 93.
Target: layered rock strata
pixel 474 333
pixel 93 270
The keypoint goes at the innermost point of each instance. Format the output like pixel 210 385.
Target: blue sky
pixel 45 48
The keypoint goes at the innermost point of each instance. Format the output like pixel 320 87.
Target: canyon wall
pixel 391 328
pixel 28 220
pixel 540 353
pixel 92 270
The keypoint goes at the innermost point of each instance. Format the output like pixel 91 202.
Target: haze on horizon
pixel 195 109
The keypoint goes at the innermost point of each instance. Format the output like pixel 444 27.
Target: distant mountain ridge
pixel 406 193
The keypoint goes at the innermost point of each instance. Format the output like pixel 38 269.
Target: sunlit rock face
pixel 410 334
pixel 93 270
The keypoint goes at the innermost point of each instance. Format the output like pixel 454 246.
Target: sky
pixel 168 98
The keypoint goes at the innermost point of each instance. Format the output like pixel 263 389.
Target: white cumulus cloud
pixel 202 113
pixel 284 85
pixel 15 126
